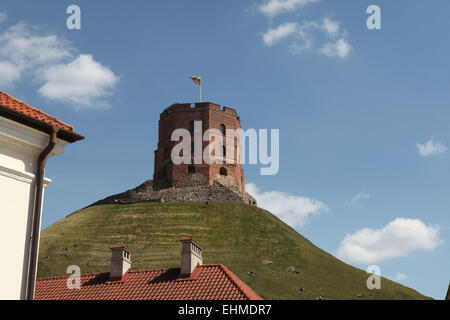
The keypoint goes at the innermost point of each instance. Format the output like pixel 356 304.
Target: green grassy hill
pixel 236 235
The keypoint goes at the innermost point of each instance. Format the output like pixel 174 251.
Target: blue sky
pixel 350 116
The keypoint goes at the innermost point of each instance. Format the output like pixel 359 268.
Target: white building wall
pixel 15 208
pixel 20 147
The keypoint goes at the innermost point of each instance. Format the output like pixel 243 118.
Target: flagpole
pixel 200 91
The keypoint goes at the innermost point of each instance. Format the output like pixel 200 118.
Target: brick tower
pixel 167 174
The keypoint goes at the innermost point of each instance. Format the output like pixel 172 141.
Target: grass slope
pixel 238 236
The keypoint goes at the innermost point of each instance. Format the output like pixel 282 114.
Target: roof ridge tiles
pixel 67 276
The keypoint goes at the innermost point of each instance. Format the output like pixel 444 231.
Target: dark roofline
pixel 69 136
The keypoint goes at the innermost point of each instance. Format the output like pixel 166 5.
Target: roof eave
pixel 69 136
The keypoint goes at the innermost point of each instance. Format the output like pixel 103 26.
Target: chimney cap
pixel 189 239
pixel 120 247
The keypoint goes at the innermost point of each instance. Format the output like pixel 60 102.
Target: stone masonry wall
pixel 192 190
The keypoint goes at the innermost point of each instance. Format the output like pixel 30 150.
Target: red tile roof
pixel 20 111
pixel 207 282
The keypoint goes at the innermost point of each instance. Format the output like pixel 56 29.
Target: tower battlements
pixel 198 105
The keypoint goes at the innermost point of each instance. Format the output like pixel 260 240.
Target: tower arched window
pixel 223 171
pixel 222 129
pixel 224 151
pixel 191 127
pixel 191 169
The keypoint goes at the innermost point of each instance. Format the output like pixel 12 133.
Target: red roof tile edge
pixel 9 109
pixel 246 290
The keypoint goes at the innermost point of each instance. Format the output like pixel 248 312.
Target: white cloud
pixel 282 31
pixel 9 74
pixel 274 7
pixel 293 210
pixel 26 52
pixel 23 45
pixel 3 17
pixel 330 26
pixel 399 277
pixel 360 196
pixel 397 239
pixel 341 48
pixel 431 148
pixel 82 81
pixel 327 33
pixel 305 34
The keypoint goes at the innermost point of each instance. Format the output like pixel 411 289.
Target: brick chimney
pixel 191 256
pixel 120 262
